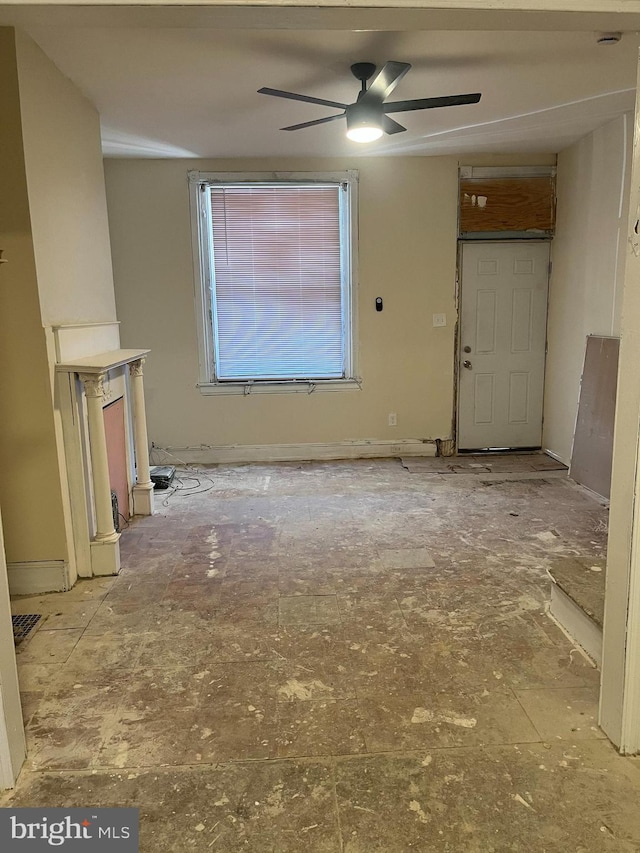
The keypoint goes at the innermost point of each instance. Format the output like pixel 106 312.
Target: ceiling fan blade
pixel 385 81
pixel 391 126
pixel 314 123
pixel 309 99
pixel 430 103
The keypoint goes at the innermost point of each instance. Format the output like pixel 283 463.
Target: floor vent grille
pixel 23 625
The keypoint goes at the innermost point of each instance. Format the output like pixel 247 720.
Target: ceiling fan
pixel 367 118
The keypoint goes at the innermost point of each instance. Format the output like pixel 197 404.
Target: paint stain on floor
pixel 340 656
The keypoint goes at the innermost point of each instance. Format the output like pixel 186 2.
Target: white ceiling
pixel 183 90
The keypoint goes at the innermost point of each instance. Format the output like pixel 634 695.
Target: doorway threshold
pixel 479 450
pixel 503 466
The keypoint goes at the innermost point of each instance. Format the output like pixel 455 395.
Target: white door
pixel 503 320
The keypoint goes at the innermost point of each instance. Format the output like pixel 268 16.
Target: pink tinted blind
pixel 278 302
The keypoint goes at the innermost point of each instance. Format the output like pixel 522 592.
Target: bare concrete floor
pixel 332 657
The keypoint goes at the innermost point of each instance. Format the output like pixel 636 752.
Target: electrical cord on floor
pixel 185 491
pixel 181 489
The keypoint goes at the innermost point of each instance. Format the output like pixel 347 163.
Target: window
pixel 275 257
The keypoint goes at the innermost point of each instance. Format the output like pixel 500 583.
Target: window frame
pixel 204 280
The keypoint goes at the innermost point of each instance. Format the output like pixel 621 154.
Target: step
pixel 577 600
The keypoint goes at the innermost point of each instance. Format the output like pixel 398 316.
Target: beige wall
pixel 30 494
pixel 588 267
pixel 68 215
pixel 407 255
pixel 65 179
pixel 54 230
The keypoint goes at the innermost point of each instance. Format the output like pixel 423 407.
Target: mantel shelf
pixel 102 362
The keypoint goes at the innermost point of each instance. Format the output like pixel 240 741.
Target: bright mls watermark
pixel 79 830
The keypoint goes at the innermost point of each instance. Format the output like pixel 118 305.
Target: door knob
pixel 466 363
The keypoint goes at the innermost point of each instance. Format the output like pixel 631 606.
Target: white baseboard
pixel 299 452
pixel 40 576
pixel 555 456
pixel 575 622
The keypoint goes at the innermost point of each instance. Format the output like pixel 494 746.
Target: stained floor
pixel 340 656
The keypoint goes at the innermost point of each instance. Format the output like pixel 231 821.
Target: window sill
pixel 300 387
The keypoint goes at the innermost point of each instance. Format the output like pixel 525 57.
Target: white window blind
pixel 278 295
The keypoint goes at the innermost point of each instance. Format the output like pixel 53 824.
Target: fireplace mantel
pixel 88 389
pixel 103 362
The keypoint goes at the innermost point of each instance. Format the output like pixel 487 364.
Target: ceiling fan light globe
pixel 364 122
pixel 364 133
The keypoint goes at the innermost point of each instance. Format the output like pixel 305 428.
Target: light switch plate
pixel 439 319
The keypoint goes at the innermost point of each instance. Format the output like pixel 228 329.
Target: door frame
pixel 458 331
pixel 620 674
pixel 12 739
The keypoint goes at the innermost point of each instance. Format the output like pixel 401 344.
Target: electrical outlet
pixel 393 420
pixel 395 449
pixel 439 319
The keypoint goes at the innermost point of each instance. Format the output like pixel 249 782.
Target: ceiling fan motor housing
pixel 363 70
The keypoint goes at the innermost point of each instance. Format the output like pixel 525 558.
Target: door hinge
pixel 550 268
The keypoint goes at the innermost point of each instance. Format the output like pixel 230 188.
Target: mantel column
pixel 143 489
pixel 105 548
